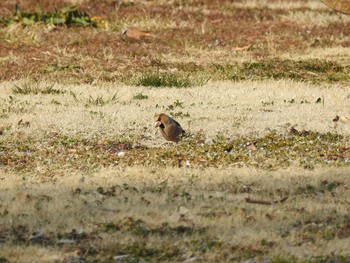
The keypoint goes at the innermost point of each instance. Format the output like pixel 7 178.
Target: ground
pixel 261 88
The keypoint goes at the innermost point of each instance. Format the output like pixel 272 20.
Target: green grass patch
pixel 69 16
pixel 163 80
pixel 323 187
pixel 140 96
pixel 308 70
pixel 314 70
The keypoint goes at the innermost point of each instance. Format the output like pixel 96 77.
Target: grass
pixel 315 71
pixel 69 16
pixel 184 52
pixel 95 183
pixel 140 96
pixel 28 88
pixel 100 101
pixel 261 175
pixel 163 80
pixel 198 219
pixel 271 152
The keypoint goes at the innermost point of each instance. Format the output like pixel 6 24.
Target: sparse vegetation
pixel 69 16
pixel 28 88
pixel 271 152
pixel 163 80
pixel 100 101
pixel 261 175
pixel 311 70
pixel 140 96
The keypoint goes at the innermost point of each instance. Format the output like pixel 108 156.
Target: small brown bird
pixel 129 33
pixel 170 129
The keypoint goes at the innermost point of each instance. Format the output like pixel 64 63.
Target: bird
pixel 130 33
pixel 170 129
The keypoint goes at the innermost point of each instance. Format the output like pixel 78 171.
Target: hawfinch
pixel 170 129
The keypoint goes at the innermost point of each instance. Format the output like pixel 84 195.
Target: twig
pixel 263 202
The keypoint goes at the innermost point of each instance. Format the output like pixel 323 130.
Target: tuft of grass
pixel 26 89
pixel 140 96
pixel 100 100
pixel 163 80
pixel 323 187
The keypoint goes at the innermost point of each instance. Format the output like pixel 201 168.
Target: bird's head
pixel 161 120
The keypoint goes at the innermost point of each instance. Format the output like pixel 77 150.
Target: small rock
pixel 121 154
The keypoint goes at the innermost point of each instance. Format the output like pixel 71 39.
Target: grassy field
pixel 261 88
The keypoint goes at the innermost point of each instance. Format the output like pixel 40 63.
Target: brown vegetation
pixel 261 174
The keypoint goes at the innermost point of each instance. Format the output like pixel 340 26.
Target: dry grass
pixel 288 5
pixel 84 177
pixel 117 208
pixel 197 34
pixel 137 204
pixel 248 107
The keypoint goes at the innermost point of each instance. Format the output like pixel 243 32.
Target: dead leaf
pixel 242 48
pixel 216 21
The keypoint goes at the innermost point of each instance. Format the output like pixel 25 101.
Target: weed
pixel 163 80
pixel 69 16
pixel 55 102
pixel 323 187
pixel 176 104
pixel 140 96
pixel 26 89
pixel 100 101
pixel 180 114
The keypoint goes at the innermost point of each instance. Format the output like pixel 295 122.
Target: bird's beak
pixel 157 124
